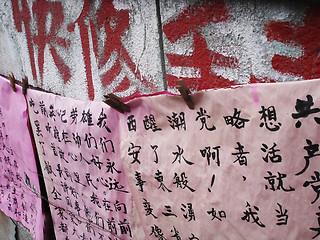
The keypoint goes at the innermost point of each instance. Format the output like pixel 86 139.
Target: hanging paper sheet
pixel 243 165
pixel 78 146
pixel 19 191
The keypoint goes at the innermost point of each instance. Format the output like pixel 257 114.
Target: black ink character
pixel 74 115
pixel 269 117
pixel 154 148
pixel 56 134
pixel 89 139
pixel 76 139
pixel 311 149
pixel 282 216
pixel 61 114
pixel 89 180
pixel 52 114
pixel 175 233
pixel 203 116
pixel 96 162
pixel 120 207
pixel 106 204
pixel 271 179
pixel 317 229
pixel 188 212
pixel 60 213
pixel 182 181
pixel 104 142
pixel 112 184
pixel 32 105
pixel 140 182
pixel 48 127
pixel 102 121
pixel 48 168
pixel 179 156
pixel 111 167
pixel 38 130
pixel 271 153
pixel 56 194
pixel 304 109
pixel 87 117
pixel 157 232
pixel 95 200
pixel 132 124
pixel 240 155
pixel 236 120
pixel 134 152
pixel 193 237
pixel 213 213
pixel 177 122
pixel 159 178
pixel 315 187
pixel 214 155
pixel 149 122
pixel 168 212
pixel 111 225
pixel 43 108
pixel 63 227
pixel 60 171
pixel 124 227
pixel 248 214
pixel 148 208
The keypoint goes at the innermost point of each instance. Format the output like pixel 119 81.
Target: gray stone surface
pixel 7 227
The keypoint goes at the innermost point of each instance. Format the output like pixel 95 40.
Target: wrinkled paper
pixel 78 146
pixel 244 164
pixel 20 190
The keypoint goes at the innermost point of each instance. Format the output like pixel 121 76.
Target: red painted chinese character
pixel 114 23
pixel 202 59
pixel 306 35
pixel 41 10
pixel 24 16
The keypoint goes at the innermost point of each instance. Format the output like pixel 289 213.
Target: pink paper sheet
pixel 78 146
pixel 19 191
pixel 244 164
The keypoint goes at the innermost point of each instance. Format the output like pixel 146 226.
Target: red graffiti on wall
pixel 191 21
pixel 41 9
pixel 84 35
pixel 91 22
pixel 307 36
pixel 20 17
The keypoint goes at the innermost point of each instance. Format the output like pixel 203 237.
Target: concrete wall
pixel 85 49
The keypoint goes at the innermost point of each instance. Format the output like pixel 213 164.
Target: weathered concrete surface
pixel 7 227
pixel 213 44
pixel 84 49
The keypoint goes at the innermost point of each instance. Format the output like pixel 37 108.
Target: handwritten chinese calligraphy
pixel 83 173
pixel 19 184
pixel 219 164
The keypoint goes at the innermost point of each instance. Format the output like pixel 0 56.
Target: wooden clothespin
pixel 185 93
pixel 12 82
pixel 116 103
pixel 24 85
